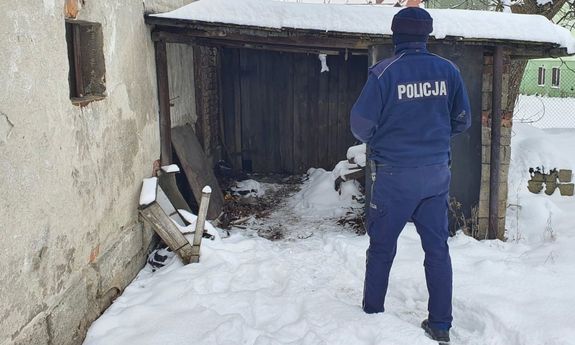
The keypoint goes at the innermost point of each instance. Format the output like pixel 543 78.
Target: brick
pixel 505 140
pixel 486 173
pixel 484 192
pixel 505 136
pixel 505 82
pixel 486 136
pixel 484 209
pixel 487 86
pixel 486 155
pixel 501 230
pixel 485 118
pixel 486 101
pixel 503 172
pixel 504 155
pixel 483 228
pixel 485 189
pixel 506 158
pixel 507 119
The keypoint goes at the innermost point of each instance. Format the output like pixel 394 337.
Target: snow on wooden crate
pixel 172 168
pixel 159 213
pixel 372 20
pixel 149 190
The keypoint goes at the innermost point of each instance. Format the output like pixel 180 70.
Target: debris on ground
pixel 255 198
pixel 248 188
pixel 159 257
pixel 355 220
pixel 272 233
pixel 252 200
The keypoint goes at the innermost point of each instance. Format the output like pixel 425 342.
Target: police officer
pixel 410 107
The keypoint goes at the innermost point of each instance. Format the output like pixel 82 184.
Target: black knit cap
pixel 411 24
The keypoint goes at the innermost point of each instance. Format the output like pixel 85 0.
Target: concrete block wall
pixel 482 222
pixel 70 176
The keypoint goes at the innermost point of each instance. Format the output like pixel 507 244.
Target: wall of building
pixel 70 176
pixel 530 82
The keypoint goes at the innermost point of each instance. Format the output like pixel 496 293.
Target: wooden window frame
pixel 79 93
pixel 556 77
pixel 541 71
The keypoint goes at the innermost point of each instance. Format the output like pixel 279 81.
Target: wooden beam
pixel 164 102
pixel 179 38
pixel 200 224
pixel 80 92
pixel 197 169
pixel 289 37
pixel 168 231
pixel 328 39
pixel 495 161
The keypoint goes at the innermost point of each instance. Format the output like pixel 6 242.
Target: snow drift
pixel 248 290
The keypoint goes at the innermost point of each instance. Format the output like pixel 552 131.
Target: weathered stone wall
pixel 505 155
pixel 70 176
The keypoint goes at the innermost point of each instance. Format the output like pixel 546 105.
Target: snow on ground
pixel 548 148
pixel 148 193
pixel 545 112
pixel 307 289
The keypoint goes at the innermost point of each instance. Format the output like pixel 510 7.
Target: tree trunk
pixel 548 10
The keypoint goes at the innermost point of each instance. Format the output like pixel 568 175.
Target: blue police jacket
pixel 410 107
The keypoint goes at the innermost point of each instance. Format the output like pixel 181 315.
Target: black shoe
pixel 440 335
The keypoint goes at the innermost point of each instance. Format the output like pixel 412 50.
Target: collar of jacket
pixel 411 47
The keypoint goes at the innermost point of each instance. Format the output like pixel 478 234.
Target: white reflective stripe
pixel 391 63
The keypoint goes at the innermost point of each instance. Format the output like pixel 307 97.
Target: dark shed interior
pixel 281 114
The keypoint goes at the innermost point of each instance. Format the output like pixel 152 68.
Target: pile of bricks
pixel 552 180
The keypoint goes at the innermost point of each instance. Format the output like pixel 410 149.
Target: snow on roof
pixel 372 19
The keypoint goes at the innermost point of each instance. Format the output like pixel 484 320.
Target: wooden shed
pixel 264 105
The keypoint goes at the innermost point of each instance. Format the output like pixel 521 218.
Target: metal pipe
pixel 164 103
pixel 495 161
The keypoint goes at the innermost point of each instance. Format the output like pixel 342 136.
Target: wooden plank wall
pixel 280 114
pixel 206 81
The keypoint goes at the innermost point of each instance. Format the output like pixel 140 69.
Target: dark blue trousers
pixel 410 194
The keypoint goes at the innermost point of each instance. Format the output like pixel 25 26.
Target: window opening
pixel 87 76
pixel 541 76
pixel 555 77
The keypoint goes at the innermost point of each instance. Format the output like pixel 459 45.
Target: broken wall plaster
pixel 6 127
